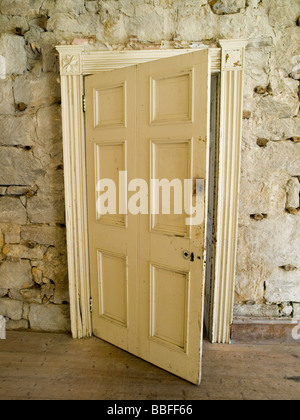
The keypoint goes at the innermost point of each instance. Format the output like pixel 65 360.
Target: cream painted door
pixel 147 270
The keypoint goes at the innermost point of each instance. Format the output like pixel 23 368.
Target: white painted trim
pixel 95 62
pixel 75 60
pixel 75 63
pixel 75 189
pixel 231 114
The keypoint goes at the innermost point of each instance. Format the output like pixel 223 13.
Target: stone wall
pixel 33 269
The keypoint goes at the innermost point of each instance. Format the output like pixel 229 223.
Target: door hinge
pixel 83 103
pixel 91 305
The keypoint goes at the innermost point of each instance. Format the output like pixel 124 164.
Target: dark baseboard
pixel 265 331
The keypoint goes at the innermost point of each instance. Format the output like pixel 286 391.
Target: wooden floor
pixel 54 366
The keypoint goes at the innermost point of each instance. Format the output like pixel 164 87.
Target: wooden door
pixel 147 270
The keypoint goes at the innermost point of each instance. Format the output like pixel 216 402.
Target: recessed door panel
pixel 110 106
pixel 110 160
pixel 169 307
pixel 171 165
pixel 112 277
pixel 172 98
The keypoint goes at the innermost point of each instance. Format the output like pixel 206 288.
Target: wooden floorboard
pixel 54 366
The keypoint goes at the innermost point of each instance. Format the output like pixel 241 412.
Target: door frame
pixel 76 62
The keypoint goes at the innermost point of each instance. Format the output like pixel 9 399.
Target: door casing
pixel 75 63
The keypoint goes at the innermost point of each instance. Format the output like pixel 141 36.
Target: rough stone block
pixel 49 124
pixel 17 131
pixel 260 197
pixel 293 191
pixel 45 235
pixel 262 248
pixel 283 286
pixel 46 209
pixel 64 6
pixel 12 309
pixel 20 7
pixel 148 27
pixel 23 251
pixel 37 92
pixel 262 241
pixel 21 168
pixel 272 128
pixel 84 24
pixel 284 14
pixel 52 183
pixel 11 325
pixel 296 310
pixel 286 309
pixel 26 308
pixel 37 275
pixel 3 292
pixel 56 270
pixel 32 295
pixel 49 54
pixel 11 234
pixel 12 211
pixel 227 7
pixel 92 6
pixel 8 24
pixel 195 22
pixel 250 278
pixel 7 104
pixel 61 295
pixel 287 47
pixel 1 239
pixel 257 310
pixel 51 318
pixel 15 275
pixel 272 162
pixel 283 106
pixel 12 48
pixel 47 291
pixel 19 191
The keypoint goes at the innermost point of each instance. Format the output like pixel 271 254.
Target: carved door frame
pixel 75 63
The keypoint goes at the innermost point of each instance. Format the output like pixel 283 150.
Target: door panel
pixel 170 160
pixel 172 98
pixel 110 106
pixel 147 270
pixel 110 159
pixel 112 277
pixel 169 300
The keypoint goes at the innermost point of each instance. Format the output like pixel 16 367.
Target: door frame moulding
pixel 75 63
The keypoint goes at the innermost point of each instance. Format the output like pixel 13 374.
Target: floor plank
pixel 54 366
